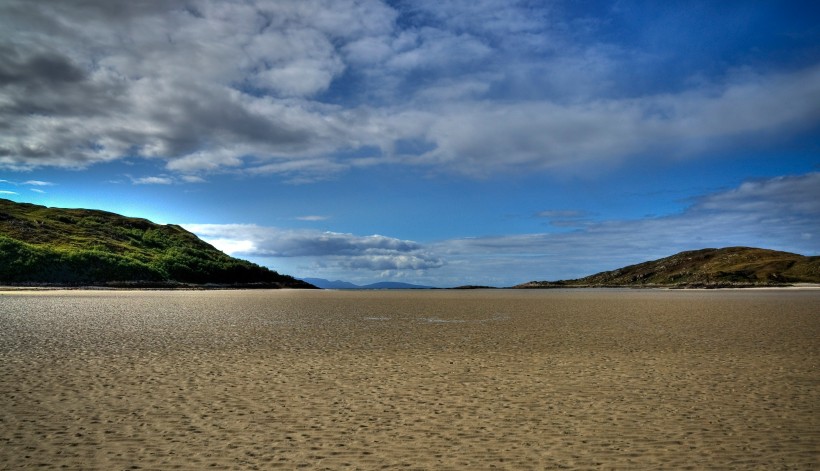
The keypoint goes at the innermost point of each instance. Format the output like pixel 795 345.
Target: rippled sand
pixel 410 380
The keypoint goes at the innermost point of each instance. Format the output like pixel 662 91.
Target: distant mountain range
pixel 709 268
pixel 339 284
pixel 53 246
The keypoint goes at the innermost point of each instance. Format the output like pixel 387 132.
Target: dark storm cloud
pixel 43 69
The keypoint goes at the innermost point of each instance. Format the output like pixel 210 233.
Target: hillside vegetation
pixel 41 245
pixel 727 267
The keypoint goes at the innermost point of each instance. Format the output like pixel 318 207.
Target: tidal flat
pixel 480 379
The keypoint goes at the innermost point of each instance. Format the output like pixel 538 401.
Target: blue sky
pixel 443 143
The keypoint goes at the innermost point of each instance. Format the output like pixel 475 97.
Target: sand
pixel 497 379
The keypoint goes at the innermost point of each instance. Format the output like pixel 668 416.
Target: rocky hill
pixel 41 245
pixel 727 267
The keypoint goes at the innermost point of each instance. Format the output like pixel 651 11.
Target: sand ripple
pixel 410 380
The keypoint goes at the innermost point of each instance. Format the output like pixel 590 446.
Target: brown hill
pixel 726 267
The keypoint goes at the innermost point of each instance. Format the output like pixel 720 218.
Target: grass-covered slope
pixel 732 266
pixel 80 246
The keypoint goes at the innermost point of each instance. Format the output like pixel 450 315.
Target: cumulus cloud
pixel 348 251
pixel 152 181
pixel 291 87
pixel 171 80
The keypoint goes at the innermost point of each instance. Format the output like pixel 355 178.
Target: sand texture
pixel 497 379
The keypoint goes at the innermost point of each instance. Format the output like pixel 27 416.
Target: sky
pixel 444 143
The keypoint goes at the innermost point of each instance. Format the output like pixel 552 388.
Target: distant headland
pixel 730 267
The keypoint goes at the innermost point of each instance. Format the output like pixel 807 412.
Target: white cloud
pixel 449 91
pixel 342 251
pixel 152 181
pixel 233 246
pixel 313 218
pixel 236 86
pixel 35 183
pixel 298 62
pixel 29 183
pixel 165 180
pixel 484 138
pixel 776 197
pixel 167 82
pixel 434 48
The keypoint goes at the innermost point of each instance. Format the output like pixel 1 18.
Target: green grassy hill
pixel 731 266
pixel 81 246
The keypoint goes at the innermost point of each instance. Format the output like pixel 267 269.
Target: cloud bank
pixel 781 213
pixel 328 249
pixel 310 88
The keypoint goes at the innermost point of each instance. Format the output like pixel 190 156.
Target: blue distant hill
pixel 339 284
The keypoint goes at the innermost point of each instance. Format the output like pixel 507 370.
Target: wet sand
pixel 502 379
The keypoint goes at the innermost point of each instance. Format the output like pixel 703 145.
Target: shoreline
pixel 687 286
pixel 139 286
pixel 192 287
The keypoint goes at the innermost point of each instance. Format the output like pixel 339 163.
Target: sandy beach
pixel 495 379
